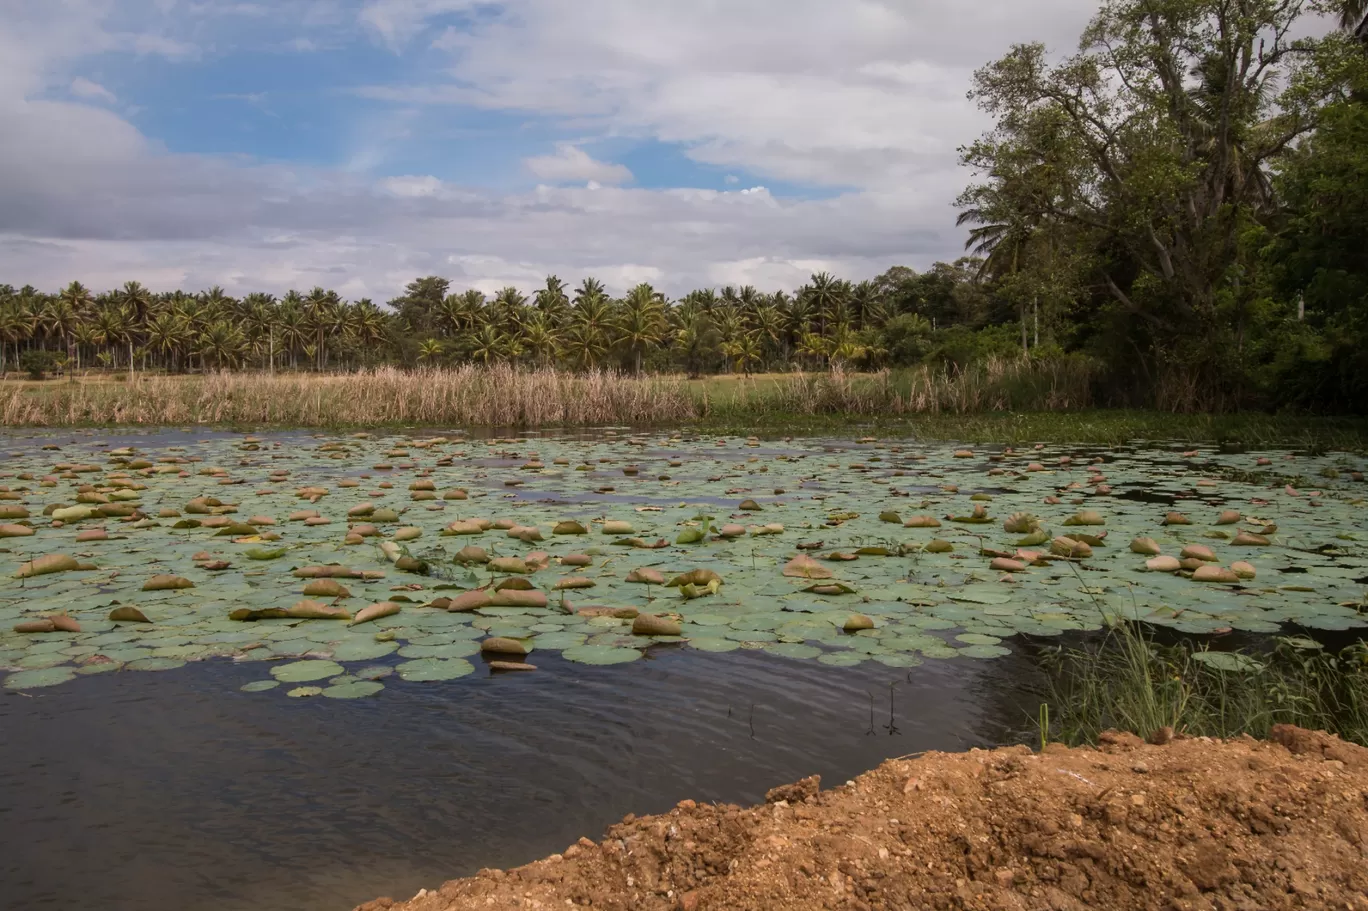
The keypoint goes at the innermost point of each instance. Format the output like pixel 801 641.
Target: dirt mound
pixel 1190 824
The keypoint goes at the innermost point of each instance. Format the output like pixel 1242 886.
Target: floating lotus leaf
pixel 303 692
pixel 1228 661
pixel 598 654
pixel 314 610
pixel 326 588
pixel 1143 545
pixel 1085 517
pixel 18 531
pixel 260 686
pixel 155 664
pixel 128 614
pixel 922 522
pixel 569 527
pixel 32 679
pixel 305 671
pixel 355 689
pixel 617 527
pixel 434 669
pixel 651 625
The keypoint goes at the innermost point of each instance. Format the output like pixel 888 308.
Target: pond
pixel 249 746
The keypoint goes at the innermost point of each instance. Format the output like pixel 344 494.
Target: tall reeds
pixel 505 396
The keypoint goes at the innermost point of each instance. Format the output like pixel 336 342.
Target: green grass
pixel 1128 681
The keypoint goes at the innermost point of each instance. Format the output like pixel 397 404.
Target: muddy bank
pixel 1190 824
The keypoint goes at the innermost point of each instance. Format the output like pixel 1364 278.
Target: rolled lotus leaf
pixel 375 612
pixel 1228 517
pixel 315 610
pixel 360 510
pixel 569 527
pixel 1198 552
pixel 647 575
pixel 517 598
pixel 653 625
pixel 326 588
pixel 573 582
pixel 890 516
pixel 511 666
pixel 384 515
pixel 1176 518
pixel 502 645
pixel 423 484
pixel 331 571
pixel 1243 570
pixel 42 625
pixel 691 536
pixel 457 494
pixel 514 584
pixel 1020 523
pixel 64 624
pixel 235 530
pixel 837 556
pixel 1191 564
pixel 90 534
pixel 731 530
pixel 1070 547
pixel 471 554
pixel 964 453
pixel 128 614
pixel 937 546
pixel 1210 573
pixel 413 565
pixel 23 531
pixel 1163 564
pixel 1090 540
pixel 48 563
pixel 466 527
pixel 1006 565
pixel 830 588
pixel 509 565
pixel 617 527
pixel 12 511
pixel 922 522
pixel 166 582
pixel 804 567
pixel 408 533
pixel 364 530
pixel 73 513
pixel 471 600
pixel 1143 545
pixel 1034 539
pixel 527 534
pixel 769 528
pixel 1249 539
pixel 695 577
pixel 302 514
pixel 749 506
pixel 537 559
pixel 1085 517
pixel 857 622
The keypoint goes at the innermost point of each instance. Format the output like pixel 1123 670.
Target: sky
pixel 263 145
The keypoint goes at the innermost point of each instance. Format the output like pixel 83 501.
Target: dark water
pixel 173 790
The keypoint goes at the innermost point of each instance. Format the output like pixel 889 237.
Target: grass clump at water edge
pixel 1129 681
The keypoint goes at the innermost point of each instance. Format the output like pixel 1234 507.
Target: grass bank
pixel 1005 401
pixel 1129 681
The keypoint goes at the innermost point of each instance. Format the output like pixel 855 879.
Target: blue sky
pixel 358 143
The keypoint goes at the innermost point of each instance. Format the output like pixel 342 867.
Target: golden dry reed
pixel 506 396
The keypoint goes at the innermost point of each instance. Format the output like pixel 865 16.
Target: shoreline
pixel 1186 823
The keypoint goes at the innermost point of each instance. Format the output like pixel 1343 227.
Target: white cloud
pixel 571 164
pixel 862 96
pixel 85 88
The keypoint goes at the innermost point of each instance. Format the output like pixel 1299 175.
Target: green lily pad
pixel 354 690
pixel 304 671
pixel 433 669
pixel 593 654
pixel 48 676
pixel 259 686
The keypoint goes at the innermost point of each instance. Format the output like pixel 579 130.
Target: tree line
pixel 1183 203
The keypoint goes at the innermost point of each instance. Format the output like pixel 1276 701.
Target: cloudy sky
pixel 356 144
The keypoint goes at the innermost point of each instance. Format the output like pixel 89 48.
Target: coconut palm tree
pixel 540 338
pixel 641 322
pixel 168 335
pixel 221 344
pixel 744 351
pixel 430 351
pixel 552 302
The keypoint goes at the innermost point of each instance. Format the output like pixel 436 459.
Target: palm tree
pixel 642 322
pixel 65 312
pixel 553 302
pixel 168 334
pixel 222 343
pixel 813 346
pixel 828 295
pixel 744 350
pixel 541 339
pixel 429 351
pixel 318 309
pixel 16 325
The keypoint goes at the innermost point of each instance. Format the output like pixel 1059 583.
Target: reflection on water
pixel 174 791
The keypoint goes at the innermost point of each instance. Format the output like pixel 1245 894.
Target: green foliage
pixel 37 363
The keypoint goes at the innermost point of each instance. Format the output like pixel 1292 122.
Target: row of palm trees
pixel 827 320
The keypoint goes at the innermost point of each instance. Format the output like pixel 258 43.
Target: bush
pixel 37 361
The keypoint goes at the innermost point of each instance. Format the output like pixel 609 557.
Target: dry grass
pixel 504 396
